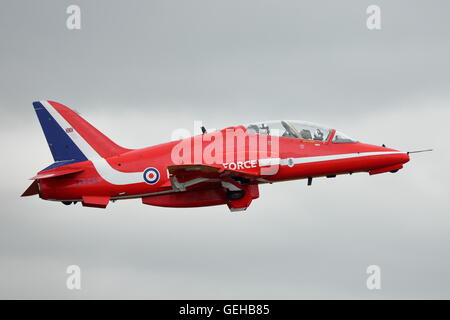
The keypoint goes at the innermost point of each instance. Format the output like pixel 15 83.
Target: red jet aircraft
pixel 220 167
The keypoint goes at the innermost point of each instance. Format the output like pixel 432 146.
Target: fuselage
pixel 122 176
pixel 216 168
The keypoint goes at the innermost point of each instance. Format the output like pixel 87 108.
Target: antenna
pixel 418 151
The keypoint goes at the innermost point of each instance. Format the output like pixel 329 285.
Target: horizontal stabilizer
pixel 56 173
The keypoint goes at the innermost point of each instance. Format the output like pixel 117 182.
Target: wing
pixel 200 185
pixel 183 176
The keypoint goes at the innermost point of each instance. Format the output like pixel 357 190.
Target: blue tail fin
pixel 62 147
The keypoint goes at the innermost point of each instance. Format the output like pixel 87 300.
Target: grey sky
pixel 139 69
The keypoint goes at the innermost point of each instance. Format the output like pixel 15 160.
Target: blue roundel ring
pixel 151 175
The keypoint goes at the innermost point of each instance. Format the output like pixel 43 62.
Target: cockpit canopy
pixel 297 129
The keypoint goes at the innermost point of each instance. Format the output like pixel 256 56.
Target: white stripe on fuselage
pixel 285 161
pixel 116 177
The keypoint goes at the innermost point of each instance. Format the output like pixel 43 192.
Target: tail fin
pixel 70 137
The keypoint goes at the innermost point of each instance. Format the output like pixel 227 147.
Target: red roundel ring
pixel 151 175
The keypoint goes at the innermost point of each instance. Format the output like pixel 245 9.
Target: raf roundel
pixel 151 175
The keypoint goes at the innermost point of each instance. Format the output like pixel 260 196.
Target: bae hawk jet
pixel 222 167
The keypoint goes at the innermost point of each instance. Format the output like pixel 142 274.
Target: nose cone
pixel 386 159
pixel 391 156
pixel 403 157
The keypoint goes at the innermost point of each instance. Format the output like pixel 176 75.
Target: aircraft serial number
pixel 86 181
